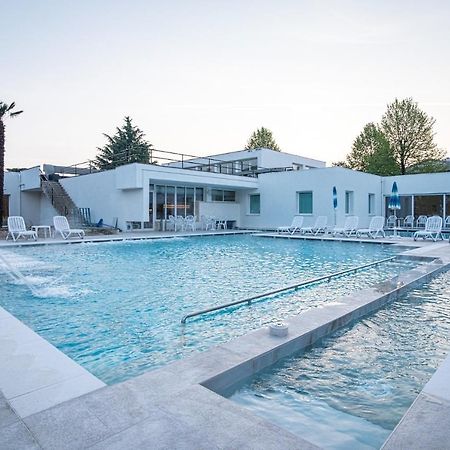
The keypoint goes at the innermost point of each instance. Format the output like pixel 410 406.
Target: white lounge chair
pixel 350 227
pixel 17 229
pixel 296 224
pixel 62 227
pixel 408 221
pixel 319 227
pixel 376 227
pixel 433 229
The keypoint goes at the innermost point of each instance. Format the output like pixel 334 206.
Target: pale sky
pixel 200 76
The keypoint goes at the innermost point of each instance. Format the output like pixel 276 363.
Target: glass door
pixel 151 210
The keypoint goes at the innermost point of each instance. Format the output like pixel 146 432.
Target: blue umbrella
pixel 394 199
pixel 335 204
pixel 394 204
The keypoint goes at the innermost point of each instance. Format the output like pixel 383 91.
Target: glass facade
pixel 175 200
pixel 305 202
pixel 421 205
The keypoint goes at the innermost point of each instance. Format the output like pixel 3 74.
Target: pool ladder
pixel 285 288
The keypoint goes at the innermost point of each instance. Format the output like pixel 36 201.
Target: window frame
pixel 250 204
pixel 312 203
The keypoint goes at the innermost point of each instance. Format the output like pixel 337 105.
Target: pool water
pixel 352 389
pixel 116 307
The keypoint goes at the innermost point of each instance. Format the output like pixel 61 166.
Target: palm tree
pixel 5 111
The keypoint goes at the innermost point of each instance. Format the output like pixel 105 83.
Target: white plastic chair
pixel 376 227
pixel 62 227
pixel 319 227
pixel 17 229
pixel 349 228
pixel 433 229
pixel 421 221
pixel 296 224
pixel 391 222
pixel 408 221
pixel 179 223
pixel 221 223
pixel 210 223
pixel 189 222
pixel 171 224
pixel 447 222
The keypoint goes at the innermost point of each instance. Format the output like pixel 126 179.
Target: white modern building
pixel 260 189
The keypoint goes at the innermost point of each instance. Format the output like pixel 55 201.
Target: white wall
pixel 279 196
pixel 220 210
pixel 424 183
pixel 270 158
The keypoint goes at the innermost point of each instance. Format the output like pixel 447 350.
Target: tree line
pixel 402 143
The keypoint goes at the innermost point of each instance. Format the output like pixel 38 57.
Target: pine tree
pixel 126 146
pixel 262 138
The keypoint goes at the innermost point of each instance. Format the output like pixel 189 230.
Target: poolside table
pixel 46 229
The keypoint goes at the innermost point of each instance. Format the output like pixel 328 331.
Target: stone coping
pixel 179 406
pixel 127 236
pixel 34 374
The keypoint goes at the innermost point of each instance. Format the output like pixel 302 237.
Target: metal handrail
pixel 285 288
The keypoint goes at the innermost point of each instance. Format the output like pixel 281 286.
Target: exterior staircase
pixel 62 201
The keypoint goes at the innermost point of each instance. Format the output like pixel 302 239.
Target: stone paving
pixel 179 406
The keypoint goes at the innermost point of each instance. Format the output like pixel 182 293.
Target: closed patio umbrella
pixel 335 203
pixel 394 204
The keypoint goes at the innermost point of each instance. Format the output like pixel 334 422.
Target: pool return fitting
pixel 291 287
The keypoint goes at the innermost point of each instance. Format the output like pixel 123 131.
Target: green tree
pixel 126 146
pixel 409 131
pixel 262 138
pixel 371 153
pixel 5 111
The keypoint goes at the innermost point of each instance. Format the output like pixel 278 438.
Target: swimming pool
pixel 115 308
pixel 350 390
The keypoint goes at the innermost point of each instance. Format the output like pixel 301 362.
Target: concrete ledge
pixel 259 349
pixel 426 424
pixel 34 374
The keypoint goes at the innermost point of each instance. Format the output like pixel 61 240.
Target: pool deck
pixel 181 406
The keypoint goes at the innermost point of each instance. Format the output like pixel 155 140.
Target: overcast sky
pixel 200 76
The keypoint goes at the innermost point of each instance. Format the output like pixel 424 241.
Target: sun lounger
pixel 17 229
pixel 376 227
pixel 349 228
pixel 62 227
pixel 319 227
pixel 433 229
pixel 296 224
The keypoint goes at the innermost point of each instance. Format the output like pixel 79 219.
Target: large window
pixel 305 202
pixel 428 205
pixel 405 207
pixel 371 205
pixel 255 203
pixel 217 195
pixel 175 200
pixel 349 195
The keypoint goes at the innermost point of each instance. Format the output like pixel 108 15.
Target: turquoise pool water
pixel 351 390
pixel 115 308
